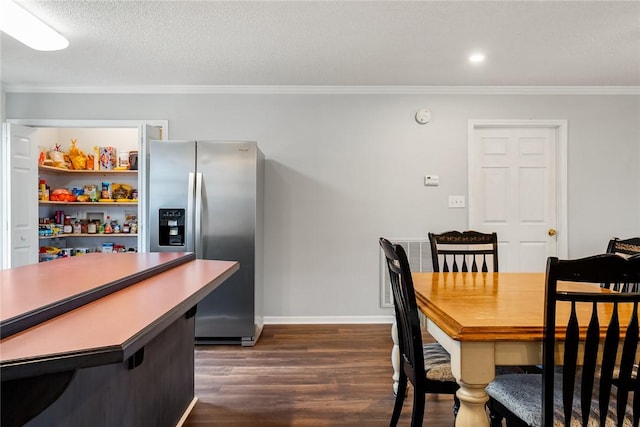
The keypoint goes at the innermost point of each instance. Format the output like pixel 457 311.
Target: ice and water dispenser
pixel 171 224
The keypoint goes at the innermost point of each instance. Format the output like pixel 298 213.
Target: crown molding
pixel 329 90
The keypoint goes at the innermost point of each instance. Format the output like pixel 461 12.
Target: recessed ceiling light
pixel 477 58
pixel 27 29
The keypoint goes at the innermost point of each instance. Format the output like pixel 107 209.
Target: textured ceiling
pixel 420 43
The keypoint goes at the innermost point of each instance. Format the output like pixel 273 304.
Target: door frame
pixel 561 129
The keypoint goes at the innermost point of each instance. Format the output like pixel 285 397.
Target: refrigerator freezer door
pixel 171 164
pixel 229 197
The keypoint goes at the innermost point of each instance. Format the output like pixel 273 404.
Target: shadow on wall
pixel 304 220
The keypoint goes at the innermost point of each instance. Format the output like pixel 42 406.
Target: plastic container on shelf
pixel 47 257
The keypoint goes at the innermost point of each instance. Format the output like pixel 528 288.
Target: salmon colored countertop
pixel 34 293
pixel 106 329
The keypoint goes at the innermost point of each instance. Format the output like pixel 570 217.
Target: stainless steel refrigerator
pixel 207 197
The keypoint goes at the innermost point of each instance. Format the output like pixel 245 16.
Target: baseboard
pixel 317 320
pixel 187 411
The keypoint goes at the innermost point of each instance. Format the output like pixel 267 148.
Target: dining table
pixel 486 320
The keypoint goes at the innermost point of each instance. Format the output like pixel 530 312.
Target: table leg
pixel 395 357
pixel 473 398
pixel 473 366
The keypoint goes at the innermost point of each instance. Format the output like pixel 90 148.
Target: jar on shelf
pixel 43 190
pixel 67 227
pixel 108 228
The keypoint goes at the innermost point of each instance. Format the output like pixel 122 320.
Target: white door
pixel 20 181
pixel 516 188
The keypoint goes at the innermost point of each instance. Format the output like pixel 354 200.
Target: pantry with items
pixel 88 194
pixel 86 185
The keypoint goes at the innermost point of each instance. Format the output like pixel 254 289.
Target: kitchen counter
pixel 32 294
pixel 114 351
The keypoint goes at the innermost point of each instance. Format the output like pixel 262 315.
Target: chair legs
pixel 497 412
pixel 419 403
pixel 495 417
pixel 418 408
pixel 400 395
pixel 495 420
pixel 456 405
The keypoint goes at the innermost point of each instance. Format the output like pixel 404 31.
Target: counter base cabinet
pixel 157 392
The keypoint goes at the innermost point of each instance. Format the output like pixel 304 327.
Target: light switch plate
pixel 456 202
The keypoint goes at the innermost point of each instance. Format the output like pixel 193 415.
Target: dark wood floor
pixel 304 375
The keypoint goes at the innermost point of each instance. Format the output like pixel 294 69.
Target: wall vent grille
pixel 419 255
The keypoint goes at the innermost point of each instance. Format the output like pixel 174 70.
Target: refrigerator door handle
pixel 198 221
pixel 190 227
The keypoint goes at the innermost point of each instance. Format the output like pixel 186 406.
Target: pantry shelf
pixel 101 235
pixel 110 211
pixel 89 203
pixel 61 171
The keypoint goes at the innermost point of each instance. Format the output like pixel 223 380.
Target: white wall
pixel 343 170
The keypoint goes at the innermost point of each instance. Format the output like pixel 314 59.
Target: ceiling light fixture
pixel 476 58
pixel 27 29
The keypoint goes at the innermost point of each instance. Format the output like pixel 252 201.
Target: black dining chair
pixel 470 251
pixel 583 391
pixel 624 247
pixel 466 251
pixel 427 367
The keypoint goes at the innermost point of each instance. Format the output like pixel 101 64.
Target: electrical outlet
pixel 456 201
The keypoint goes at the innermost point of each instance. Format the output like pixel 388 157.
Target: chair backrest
pixel 619 351
pixel 464 251
pixel 624 247
pixel 406 309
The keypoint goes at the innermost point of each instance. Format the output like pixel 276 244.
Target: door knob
pixel 552 232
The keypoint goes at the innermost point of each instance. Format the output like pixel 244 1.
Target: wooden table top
pixel 112 328
pixel 34 293
pixel 491 306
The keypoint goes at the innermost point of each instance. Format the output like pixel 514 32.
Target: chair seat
pixel 437 363
pixel 522 395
